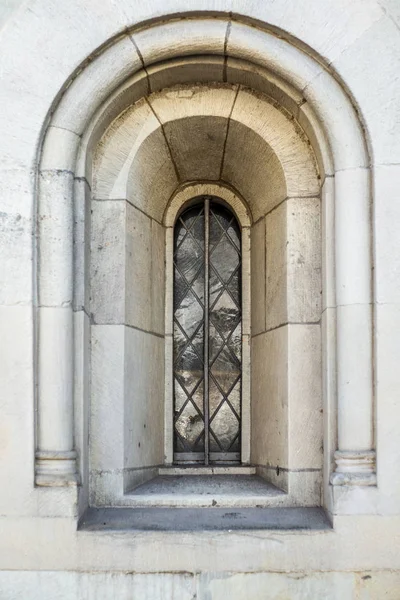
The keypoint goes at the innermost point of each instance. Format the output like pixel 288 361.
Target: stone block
pixel 213 99
pixel 136 13
pixel 258 256
pixel 157 323
pixel 376 51
pixel 101 77
pixel 328 243
pixel 59 149
pixel 134 89
pixel 107 400
pixel 256 172
pixel 352 252
pixel 269 397
pixel 133 161
pixel 55 231
pixel 115 153
pixel 197 146
pixel 16 230
pixel 189 70
pixel 305 409
pixel 377 585
pixel 268 83
pixel 354 383
pixel 47 585
pixel 21 120
pixel 305 487
pixel 272 53
pixel 387 321
pixel 54 358
pixel 288 586
pixel 327 27
pixel 276 309
pixel 303 255
pixel 144 399
pixel 17 410
pixel 329 395
pixel 339 118
pixel 317 137
pixel 138 272
pixel 195 125
pixel 82 377
pixel 387 248
pixel 108 261
pixel 181 38
pixel 393 9
pixel 152 177
pixel 82 229
pixel 34 77
pixel 284 142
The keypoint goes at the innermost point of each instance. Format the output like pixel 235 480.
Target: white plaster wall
pixel 360 40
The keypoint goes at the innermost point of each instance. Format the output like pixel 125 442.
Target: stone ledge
pixel 204 519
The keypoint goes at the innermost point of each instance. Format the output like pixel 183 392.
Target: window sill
pixel 204 519
pixel 198 489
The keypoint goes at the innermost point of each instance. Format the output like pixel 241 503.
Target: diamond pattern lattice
pixel 224 331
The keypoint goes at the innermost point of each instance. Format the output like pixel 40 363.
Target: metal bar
pixel 206 326
pixel 225 457
pixel 188 457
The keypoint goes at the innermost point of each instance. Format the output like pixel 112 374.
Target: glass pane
pixel 189 332
pixel 190 426
pixel 225 426
pixel 225 331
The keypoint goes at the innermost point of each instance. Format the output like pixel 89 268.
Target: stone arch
pixel 182 136
pixel 294 80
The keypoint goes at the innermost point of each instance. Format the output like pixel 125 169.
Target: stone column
pixel 55 455
pixel 355 457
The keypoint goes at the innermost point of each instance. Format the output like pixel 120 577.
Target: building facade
pixel 199 299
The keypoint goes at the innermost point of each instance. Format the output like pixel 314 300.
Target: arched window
pixel 207 330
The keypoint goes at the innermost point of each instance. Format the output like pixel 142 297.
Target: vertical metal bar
pixel 206 317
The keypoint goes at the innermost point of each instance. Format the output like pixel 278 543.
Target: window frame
pixel 181 201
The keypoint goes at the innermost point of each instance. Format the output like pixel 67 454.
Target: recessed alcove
pixel 235 144
pixel 102 348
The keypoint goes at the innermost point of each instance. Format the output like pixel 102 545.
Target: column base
pixel 354 467
pixel 56 469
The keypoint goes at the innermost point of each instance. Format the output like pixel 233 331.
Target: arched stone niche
pixel 224 138
pixel 296 84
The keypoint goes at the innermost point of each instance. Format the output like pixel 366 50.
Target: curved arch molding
pixel 201 50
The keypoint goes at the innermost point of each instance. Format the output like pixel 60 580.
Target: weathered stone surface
pixel 276 298
pixel 85 586
pixel 144 399
pixel 387 252
pixel 333 586
pixel 107 396
pixel 387 354
pixel 378 51
pixel 108 260
pixel 303 257
pixel 269 393
pixel 313 47
pixel 304 397
pixel 16 229
pixel 258 277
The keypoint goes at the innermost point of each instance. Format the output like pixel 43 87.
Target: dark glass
pixel 189 331
pixel 222 325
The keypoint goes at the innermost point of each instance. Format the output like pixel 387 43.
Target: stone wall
pixel 69 71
